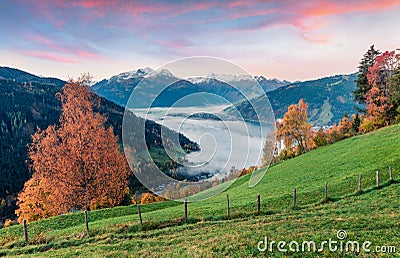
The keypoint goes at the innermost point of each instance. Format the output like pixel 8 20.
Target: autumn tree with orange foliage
pixel 378 109
pixel 245 171
pixel 381 108
pixel 37 200
pixel 77 165
pixel 151 198
pixel 294 129
pixel 345 129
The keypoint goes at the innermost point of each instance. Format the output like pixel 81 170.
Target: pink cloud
pixel 320 38
pixel 308 17
pixel 40 39
pixel 175 44
pixel 42 9
pixel 90 3
pixel 57 57
pixel 49 56
pixel 238 3
pixel 253 13
pixel 85 54
pixel 311 18
pixel 233 8
pixel 51 46
pixel 99 8
pixel 325 8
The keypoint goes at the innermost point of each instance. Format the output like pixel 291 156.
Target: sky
pixel 287 39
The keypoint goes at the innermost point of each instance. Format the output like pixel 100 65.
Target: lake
pixel 224 144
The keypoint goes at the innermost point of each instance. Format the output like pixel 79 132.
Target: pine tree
pixel 394 85
pixel 355 125
pixel 362 82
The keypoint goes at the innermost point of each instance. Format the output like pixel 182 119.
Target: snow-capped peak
pixel 162 72
pixel 231 77
pixel 141 72
pixel 144 71
pixel 199 80
pixel 166 74
pixel 260 78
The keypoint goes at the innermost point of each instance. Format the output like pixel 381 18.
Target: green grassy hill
pixel 370 216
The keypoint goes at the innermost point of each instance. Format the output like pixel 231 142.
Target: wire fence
pixel 258 201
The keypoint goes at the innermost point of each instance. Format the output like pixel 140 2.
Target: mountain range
pixel 329 98
pixel 120 87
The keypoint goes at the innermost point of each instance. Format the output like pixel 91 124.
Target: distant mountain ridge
pixel 25 77
pixel 119 87
pixel 328 99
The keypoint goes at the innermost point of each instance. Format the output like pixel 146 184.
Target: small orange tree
pixel 150 198
pixel 76 164
pixel 36 201
pixel 294 128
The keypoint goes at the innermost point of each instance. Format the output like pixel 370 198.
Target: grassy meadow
pixel 372 215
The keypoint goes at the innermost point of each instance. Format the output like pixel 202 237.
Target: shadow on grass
pixel 153 225
pixel 357 193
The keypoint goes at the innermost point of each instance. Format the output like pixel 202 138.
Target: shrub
pixel 10 222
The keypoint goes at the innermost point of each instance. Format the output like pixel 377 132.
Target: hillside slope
pixel 328 99
pixel 28 102
pixel 25 77
pixel 371 216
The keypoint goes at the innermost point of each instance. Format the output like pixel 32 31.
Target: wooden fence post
pixel 377 178
pixel 26 231
pixel 140 214
pixel 258 204
pixel 359 183
pixel 326 191
pixel 228 209
pixel 390 175
pixel 185 210
pixel 87 222
pixel 294 197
